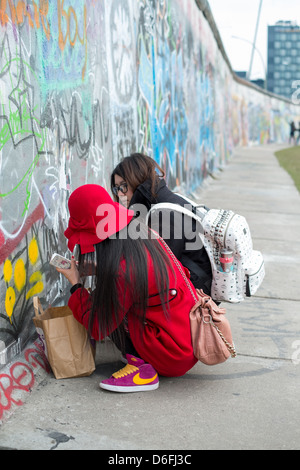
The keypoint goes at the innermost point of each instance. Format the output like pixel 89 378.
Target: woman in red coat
pixel 140 297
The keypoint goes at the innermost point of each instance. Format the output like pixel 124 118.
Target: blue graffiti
pixel 172 125
pixel 160 83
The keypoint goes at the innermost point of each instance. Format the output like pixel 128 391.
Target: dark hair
pixel 107 300
pixel 135 170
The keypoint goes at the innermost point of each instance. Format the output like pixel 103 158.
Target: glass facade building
pixel 283 58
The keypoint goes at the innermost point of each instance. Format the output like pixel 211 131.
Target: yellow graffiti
pixel 33 251
pixel 7 270
pixel 20 275
pixel 10 300
pixel 38 287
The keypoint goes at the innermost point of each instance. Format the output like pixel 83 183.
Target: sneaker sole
pixel 135 388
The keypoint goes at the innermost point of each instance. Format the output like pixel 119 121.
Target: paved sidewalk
pixel 251 402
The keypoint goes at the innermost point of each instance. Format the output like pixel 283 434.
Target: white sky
pixel 238 18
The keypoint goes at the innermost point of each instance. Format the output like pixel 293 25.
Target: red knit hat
pixel 94 216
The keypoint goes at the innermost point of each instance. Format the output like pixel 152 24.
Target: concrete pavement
pixel 250 402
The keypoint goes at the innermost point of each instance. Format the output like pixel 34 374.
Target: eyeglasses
pixel 123 188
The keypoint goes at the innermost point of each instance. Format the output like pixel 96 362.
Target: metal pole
pixel 254 41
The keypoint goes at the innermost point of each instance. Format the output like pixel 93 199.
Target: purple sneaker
pixel 136 376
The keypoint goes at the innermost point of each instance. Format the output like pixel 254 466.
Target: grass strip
pixel 289 159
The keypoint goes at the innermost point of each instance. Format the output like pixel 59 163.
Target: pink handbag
pixel 210 329
pixel 211 332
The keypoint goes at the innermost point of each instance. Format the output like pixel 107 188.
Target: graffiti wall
pixel 84 83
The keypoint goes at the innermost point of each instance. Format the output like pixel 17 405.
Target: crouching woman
pixel 139 297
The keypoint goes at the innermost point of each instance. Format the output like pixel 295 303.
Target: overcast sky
pixel 238 18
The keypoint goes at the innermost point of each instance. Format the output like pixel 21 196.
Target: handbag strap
pixel 178 265
pixel 199 301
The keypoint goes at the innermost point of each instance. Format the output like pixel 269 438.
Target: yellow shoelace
pixel 128 369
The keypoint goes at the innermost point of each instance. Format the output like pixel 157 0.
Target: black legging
pixel 120 337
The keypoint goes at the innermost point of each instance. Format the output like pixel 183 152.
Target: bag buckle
pixel 209 321
pixel 205 315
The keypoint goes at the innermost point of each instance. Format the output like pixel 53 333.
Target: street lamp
pixel 254 40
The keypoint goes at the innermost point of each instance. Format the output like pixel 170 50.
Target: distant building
pixel 283 58
pixel 259 81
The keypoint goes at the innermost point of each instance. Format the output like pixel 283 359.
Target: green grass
pixel 289 159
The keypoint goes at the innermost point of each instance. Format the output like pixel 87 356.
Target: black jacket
pixel 195 260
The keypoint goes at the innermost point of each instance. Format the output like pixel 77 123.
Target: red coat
pixel 165 342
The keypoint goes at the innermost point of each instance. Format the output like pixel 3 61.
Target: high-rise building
pixel 283 58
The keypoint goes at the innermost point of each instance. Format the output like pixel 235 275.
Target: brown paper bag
pixel 66 342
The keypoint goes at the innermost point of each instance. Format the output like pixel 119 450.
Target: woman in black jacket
pixel 138 180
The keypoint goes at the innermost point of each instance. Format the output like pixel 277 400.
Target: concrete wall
pixel 82 84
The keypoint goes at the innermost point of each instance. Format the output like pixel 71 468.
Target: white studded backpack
pixel 221 229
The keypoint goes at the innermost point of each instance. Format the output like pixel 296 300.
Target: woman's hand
pixel 71 274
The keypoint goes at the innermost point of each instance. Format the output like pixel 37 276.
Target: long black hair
pixel 107 300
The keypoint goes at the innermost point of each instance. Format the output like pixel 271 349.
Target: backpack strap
pixel 176 208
